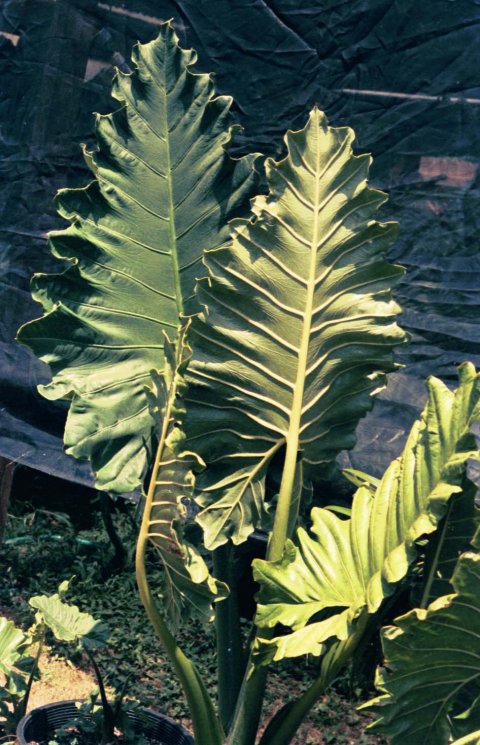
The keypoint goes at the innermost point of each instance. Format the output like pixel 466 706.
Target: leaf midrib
pixel 171 209
pixel 282 519
pixel 297 400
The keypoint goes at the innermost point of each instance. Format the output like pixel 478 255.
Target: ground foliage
pixel 43 546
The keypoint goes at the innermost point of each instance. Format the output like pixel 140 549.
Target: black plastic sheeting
pixel 404 74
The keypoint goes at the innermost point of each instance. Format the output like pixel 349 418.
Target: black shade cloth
pixel 404 74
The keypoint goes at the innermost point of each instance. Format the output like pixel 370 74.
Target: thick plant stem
pixel 249 708
pixel 335 659
pixel 250 700
pixel 282 513
pixel 206 726
pixel 247 715
pixel 230 654
pixel 120 554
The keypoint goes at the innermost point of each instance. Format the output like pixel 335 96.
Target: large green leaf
pixel 12 644
pixel 347 567
pixel 432 659
pixel 298 327
pixel 189 588
pixel 451 539
pixel 164 190
pixel 68 623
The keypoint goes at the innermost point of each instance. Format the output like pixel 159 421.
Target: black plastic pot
pixel 41 723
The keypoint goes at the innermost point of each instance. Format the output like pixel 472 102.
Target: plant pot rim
pixel 45 709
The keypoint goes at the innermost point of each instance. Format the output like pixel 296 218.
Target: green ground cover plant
pixel 218 348
pixel 20 655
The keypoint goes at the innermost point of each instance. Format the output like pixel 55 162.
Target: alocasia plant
pixel 421 705
pixel 20 653
pixel 256 377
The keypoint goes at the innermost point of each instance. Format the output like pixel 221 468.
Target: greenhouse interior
pixel 239 398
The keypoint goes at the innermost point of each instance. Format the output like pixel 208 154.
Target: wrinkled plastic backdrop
pixel 404 74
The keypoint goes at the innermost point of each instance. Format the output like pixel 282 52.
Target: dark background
pixel 405 74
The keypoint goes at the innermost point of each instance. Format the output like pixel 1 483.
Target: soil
pixel 59 682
